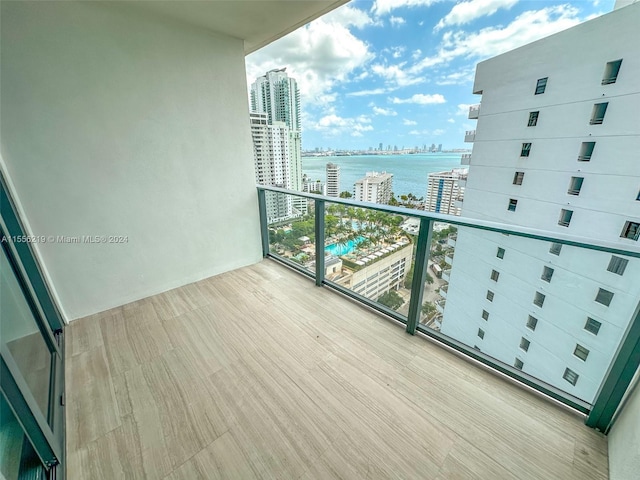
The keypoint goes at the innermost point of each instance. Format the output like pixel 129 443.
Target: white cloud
pixel 451 120
pixel 363 93
pixel 491 41
pixel 466 12
pixel 383 7
pixel 397 21
pixel 408 122
pixel 397 51
pixel 463 109
pixel 350 16
pixel 419 132
pixel 420 99
pixel 396 75
pixel 319 56
pixel 461 77
pixel 333 125
pixel 387 112
pixel 438 131
pixel 416 54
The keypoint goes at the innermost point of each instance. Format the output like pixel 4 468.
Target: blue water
pixel 409 171
pixel 339 249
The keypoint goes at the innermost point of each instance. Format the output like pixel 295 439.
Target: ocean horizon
pixel 409 171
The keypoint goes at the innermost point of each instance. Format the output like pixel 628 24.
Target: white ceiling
pixel 257 22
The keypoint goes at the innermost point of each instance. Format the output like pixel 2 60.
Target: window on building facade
pixel 518 364
pixel 592 326
pixel 526 149
pixel 532 322
pixel 490 295
pixel 570 376
pixel 586 150
pixel 541 85
pixel 581 352
pixel 481 333
pixel 575 185
pixel 547 273
pixel 597 115
pixel 517 178
pixel 617 265
pixel 513 203
pixel 611 71
pixel 565 217
pixel 555 248
pixel 524 344
pixel 494 275
pixel 485 315
pixel 533 119
pixel 604 297
pixel 538 299
pixel 631 230
pixel 500 253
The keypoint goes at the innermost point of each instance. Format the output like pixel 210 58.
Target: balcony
pixel 317 386
pixel 451 241
pixel 470 136
pixel 474 111
pixel 449 259
pixel 443 291
pixel 440 305
pixel 446 274
pixel 465 159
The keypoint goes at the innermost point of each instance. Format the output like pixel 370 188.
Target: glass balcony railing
pixel 554 312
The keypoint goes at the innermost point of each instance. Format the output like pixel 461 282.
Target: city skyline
pixel 401 72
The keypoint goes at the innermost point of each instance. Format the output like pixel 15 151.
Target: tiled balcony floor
pixel 258 373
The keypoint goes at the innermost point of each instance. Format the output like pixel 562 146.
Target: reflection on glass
pixel 558 314
pixel 371 253
pixel 11 439
pixel 291 221
pixel 20 333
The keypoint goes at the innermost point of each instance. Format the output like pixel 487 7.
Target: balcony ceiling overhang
pixel 257 22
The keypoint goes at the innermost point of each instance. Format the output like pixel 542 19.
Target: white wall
pixel 116 122
pixel 624 440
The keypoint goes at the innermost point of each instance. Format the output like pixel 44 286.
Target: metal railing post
pixel 419 274
pixel 618 378
pixel 319 207
pixel 264 229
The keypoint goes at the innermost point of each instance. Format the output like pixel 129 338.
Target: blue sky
pixel 401 72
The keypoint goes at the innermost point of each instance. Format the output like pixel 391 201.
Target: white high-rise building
pixel 277 95
pixel 333 180
pixel 375 187
pixel 556 149
pixel 445 191
pixel 272 163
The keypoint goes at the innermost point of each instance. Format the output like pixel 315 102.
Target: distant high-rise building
pixel 445 191
pixel 272 163
pixel 439 147
pixel 555 151
pixel 333 180
pixel 277 95
pixel 380 146
pixel 374 187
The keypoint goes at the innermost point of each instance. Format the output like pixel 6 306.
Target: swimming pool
pixel 339 249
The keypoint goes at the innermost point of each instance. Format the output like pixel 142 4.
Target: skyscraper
pixel 333 180
pixel 556 150
pixel 277 95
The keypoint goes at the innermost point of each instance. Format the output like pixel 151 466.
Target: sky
pixel 400 72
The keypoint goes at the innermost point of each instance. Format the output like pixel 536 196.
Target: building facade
pixel 555 150
pixel 375 187
pixel 333 180
pixel 277 95
pixel 445 191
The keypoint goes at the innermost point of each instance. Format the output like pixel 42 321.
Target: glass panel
pixel 529 318
pixel 291 222
pixel 371 253
pixel 20 333
pixel 16 454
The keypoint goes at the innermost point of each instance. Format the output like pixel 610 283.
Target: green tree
pixel 428 309
pixel 391 299
pixel 345 194
pixel 408 280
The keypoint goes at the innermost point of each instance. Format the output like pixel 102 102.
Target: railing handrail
pixel 544 235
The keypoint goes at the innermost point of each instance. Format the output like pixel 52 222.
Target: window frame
pixel 532 323
pixel 586 151
pixel 481 333
pixel 575 185
pixel 525 150
pixel 519 364
pixel 485 315
pixel 513 204
pixel 598 113
pixel 533 118
pixel 611 72
pixel 547 274
pixel 570 376
pixel 538 299
pixel 518 178
pixel 541 85
pixel 617 265
pixel 583 351
pixel 495 275
pixel 524 344
pixel 490 295
pixel 562 221
pixel 631 227
pixel 604 296
pixel 500 253
pixel 592 326
pixel 555 251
